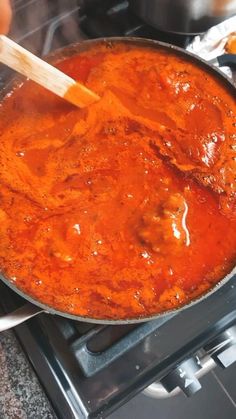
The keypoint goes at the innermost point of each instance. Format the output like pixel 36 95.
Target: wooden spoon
pixel 26 63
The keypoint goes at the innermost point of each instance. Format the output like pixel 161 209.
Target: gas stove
pixel 86 370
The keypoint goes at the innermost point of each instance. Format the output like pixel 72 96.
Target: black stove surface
pixel 89 370
pixel 85 369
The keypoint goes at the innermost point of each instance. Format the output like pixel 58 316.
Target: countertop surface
pixel 21 396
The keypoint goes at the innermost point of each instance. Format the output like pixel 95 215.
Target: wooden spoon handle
pixel 26 63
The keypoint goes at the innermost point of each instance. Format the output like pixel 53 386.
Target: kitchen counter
pixel 21 396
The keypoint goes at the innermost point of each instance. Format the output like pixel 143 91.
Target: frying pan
pixel 33 306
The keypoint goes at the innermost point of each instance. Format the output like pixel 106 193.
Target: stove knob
pixel 184 377
pixel 223 348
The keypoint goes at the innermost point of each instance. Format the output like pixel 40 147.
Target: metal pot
pixel 34 307
pixel 183 16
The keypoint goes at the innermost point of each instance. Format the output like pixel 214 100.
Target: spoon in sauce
pixel 38 70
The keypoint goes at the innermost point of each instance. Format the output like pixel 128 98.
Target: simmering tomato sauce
pixel 126 208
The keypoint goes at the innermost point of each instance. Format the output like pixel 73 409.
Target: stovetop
pixel 89 370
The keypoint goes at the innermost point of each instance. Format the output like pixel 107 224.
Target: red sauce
pixel 127 208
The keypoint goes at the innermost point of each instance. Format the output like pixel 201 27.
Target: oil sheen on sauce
pixel 126 208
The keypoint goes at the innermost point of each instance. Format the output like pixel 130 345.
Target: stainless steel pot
pixel 33 306
pixel 183 16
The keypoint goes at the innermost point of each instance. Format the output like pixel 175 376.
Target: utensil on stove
pixel 34 307
pixel 225 60
pixel 183 16
pixel 38 70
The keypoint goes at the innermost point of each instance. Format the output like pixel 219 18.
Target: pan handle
pixel 19 316
pixel 227 60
